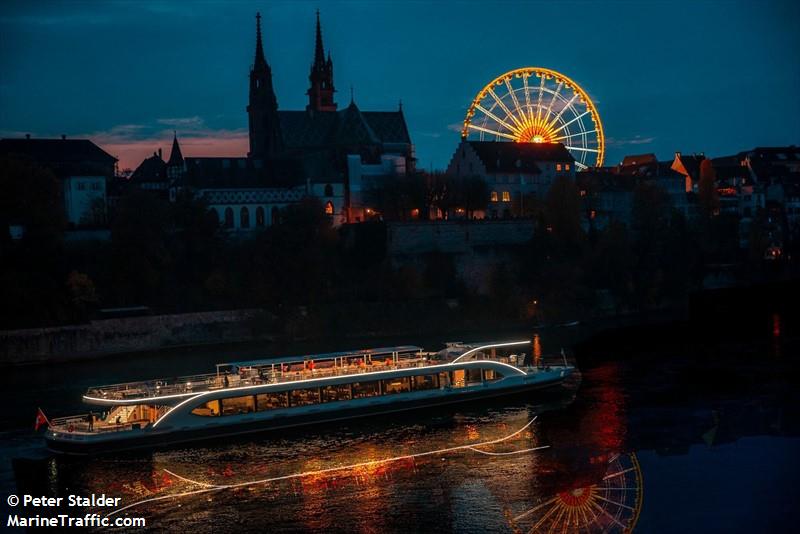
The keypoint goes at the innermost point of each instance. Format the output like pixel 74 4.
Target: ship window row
pixel 343 392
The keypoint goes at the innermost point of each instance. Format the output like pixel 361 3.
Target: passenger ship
pixel 253 396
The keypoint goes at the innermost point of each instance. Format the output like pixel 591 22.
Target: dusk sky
pixel 717 77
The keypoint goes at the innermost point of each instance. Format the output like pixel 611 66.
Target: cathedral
pixel 348 146
pixel 336 155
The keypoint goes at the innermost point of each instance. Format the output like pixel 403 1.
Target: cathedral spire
pixel 319 50
pixel 320 94
pixel 260 59
pixel 262 110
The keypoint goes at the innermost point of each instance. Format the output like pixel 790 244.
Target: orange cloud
pixel 131 152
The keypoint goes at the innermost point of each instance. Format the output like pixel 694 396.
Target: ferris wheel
pixel 611 506
pixel 537 105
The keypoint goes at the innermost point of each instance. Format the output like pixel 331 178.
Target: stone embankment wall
pixel 477 247
pixel 131 334
pixel 413 238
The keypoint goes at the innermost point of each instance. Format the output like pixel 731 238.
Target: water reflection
pixel 683 411
pixel 354 475
pixel 612 504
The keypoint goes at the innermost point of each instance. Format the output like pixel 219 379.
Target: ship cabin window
pixel 339 392
pixel 304 397
pixel 366 389
pixel 207 409
pixel 473 376
pixel 238 405
pixel 490 375
pixel 396 385
pixel 444 379
pixel 272 401
pixel 425 382
pixel 458 378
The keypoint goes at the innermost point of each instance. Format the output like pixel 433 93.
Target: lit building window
pixel 566 166
pixel 329 208
pixel 558 166
pixel 506 196
pixel 494 196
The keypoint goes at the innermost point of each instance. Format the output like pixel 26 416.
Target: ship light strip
pixel 322 378
pixel 327 378
pixel 509 344
pixel 213 488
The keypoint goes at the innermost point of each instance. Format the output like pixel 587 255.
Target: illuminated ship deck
pixel 266 371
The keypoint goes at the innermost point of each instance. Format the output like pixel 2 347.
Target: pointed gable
pixel 175 156
pixel 352 128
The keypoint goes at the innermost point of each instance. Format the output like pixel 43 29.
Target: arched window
pixel 329 208
pixel 328 190
pixel 214 216
pixel 276 215
pixel 260 216
pixel 228 218
pixel 244 217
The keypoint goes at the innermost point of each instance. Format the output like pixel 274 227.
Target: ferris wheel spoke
pixel 573 135
pixel 584 150
pixel 618 473
pixel 615 503
pixel 605 512
pixel 552 100
pixel 514 97
pixel 539 103
pixel 497 119
pixel 570 122
pixel 557 519
pixel 504 107
pixel 586 521
pixel 527 97
pixel 493 132
pixel 529 512
pixel 568 106
pixel 543 518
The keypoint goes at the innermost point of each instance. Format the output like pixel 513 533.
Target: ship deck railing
pixel 276 374
pixel 79 425
pixel 153 389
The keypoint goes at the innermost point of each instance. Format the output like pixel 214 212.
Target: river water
pixel 659 432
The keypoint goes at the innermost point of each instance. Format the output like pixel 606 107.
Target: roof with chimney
pixel 646 166
pixel 152 169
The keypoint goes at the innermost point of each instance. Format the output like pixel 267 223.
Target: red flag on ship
pixel 41 419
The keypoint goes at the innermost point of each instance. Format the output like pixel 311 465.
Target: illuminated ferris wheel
pixel 611 506
pixel 536 105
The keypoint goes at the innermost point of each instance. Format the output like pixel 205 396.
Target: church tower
pixel 320 94
pixel 262 111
